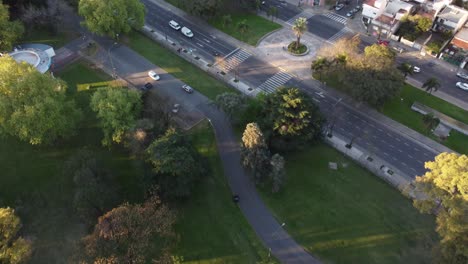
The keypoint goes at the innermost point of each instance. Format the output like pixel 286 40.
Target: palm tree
pixel 299 28
pixel 406 69
pixel 431 84
pixel 243 26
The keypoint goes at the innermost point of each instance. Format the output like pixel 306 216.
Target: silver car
pixel 187 88
pixel 462 75
pixel 462 85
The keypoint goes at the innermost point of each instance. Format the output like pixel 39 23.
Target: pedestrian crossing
pixel 340 34
pixel 336 17
pixel 303 14
pixel 275 81
pixel 233 60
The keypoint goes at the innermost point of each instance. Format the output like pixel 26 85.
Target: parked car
pixel 339 7
pixel 462 75
pixel 187 88
pixel 383 42
pixel 187 32
pixel 174 25
pixel 356 9
pixel 462 85
pixel 153 75
pixel 416 69
pixel 147 86
pixel 350 13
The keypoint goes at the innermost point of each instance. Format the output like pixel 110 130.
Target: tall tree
pixel 10 31
pixel 126 233
pixel 95 189
pixel 320 66
pixel 378 52
pixel 204 8
pixel 431 84
pixel 254 153
pixel 299 28
pixel 177 165
pixel 34 106
pixel 291 118
pixel 13 248
pixel 243 27
pixel 278 172
pixel 406 69
pixel 112 17
pixel 445 189
pixel 117 109
pixel 52 15
pixel 230 103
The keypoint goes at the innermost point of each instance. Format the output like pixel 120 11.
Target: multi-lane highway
pixel 368 132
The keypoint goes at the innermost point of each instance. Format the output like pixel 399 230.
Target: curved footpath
pixel 125 63
pixel 273 236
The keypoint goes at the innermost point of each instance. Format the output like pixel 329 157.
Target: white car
pixel 339 7
pixel 174 25
pixel 153 75
pixel 187 32
pixel 416 69
pixel 462 85
pixel 462 75
pixel 187 88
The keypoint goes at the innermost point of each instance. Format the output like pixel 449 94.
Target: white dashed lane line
pixel 406 144
pixel 397 139
pixel 410 156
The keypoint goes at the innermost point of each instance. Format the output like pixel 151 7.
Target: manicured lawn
pixel 177 66
pixel 212 228
pixel 349 215
pixel 257 27
pixel 33 181
pixel 400 110
pixel 43 36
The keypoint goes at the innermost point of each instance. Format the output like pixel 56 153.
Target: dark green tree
pixel 431 84
pixel 321 66
pixel 406 69
pixel 278 172
pixel 178 166
pixel 230 103
pixel 13 248
pixel 10 31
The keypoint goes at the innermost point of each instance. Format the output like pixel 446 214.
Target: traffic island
pixel 295 50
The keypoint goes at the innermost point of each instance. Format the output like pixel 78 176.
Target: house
pixel 460 39
pixel 385 15
pixel 450 18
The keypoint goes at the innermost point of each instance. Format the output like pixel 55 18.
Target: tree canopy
pixel 230 103
pixel 34 106
pixel 10 31
pixel 126 233
pixel 299 28
pixel 112 17
pixel 177 165
pixel 117 109
pixel 445 189
pixel 13 248
pixel 254 152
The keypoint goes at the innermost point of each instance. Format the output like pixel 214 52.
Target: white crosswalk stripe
pixel 342 33
pixel 275 81
pixel 336 17
pixel 303 14
pixel 234 60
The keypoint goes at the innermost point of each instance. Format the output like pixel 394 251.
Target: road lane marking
pixel 406 144
pixel 410 156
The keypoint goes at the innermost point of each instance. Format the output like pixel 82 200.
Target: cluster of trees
pixel 14 249
pixel 282 121
pixel 445 193
pixel 369 77
pixel 34 106
pixel 10 31
pixel 112 17
pixel 51 14
pixel 412 26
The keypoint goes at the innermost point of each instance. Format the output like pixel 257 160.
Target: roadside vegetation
pixel 176 66
pixel 237 19
pixel 343 68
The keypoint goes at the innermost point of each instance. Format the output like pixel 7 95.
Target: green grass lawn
pixel 32 179
pixel 400 110
pixel 349 215
pixel 258 27
pixel 44 36
pixel 211 228
pixel 177 66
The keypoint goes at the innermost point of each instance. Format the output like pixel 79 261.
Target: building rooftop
pixel 462 34
pixel 370 2
pixel 452 13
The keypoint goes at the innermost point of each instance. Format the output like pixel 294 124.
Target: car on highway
pixel 462 75
pixel 339 7
pixel 174 25
pixel 462 85
pixel 153 75
pixel 187 88
pixel 187 32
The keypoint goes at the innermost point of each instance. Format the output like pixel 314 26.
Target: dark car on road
pixel 147 86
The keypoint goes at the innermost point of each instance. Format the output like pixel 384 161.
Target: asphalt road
pixel 202 43
pixel 286 11
pixel 323 26
pixel 370 134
